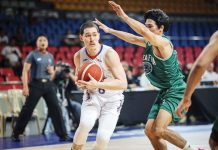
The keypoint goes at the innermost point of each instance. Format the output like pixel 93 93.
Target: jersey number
pixel 101 91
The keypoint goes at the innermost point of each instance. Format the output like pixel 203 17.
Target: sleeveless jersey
pixel 100 60
pixel 162 73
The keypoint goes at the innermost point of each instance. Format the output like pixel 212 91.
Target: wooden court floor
pixel 135 140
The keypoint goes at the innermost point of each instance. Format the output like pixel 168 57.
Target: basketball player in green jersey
pixel 161 68
pixel 209 53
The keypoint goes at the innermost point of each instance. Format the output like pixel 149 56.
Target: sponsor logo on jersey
pixel 149 58
pixel 147 67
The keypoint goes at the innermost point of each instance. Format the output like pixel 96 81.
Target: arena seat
pixel 119 50
pixel 25 50
pixel 189 57
pixel 53 50
pixel 5 87
pixel 64 49
pixel 139 50
pixel 12 78
pixel 181 58
pixel 2 79
pixel 197 51
pixel 6 72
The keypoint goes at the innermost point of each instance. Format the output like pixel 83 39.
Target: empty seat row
pixel 182 33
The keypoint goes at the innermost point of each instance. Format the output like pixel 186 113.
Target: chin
pixel 42 48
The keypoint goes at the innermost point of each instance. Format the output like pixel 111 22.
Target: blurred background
pixel 21 21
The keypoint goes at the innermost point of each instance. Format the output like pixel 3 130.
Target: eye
pixel 87 35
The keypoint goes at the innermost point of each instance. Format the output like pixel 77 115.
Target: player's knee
pixel 100 144
pixel 159 131
pixel 85 126
pixel 102 140
pixel 148 131
pixel 76 147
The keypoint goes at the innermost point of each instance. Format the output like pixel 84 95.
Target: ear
pixel 81 37
pixel 162 28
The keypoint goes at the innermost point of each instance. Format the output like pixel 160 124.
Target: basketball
pixel 90 68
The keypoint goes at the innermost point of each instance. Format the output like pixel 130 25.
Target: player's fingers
pixel 178 112
pixel 90 76
pixel 112 4
pixel 186 109
pixel 101 27
pixel 96 21
pixel 81 82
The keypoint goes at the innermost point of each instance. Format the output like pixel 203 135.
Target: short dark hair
pixel 42 34
pixel 88 24
pixel 39 35
pixel 160 17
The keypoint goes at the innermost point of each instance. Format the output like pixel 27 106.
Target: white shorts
pixel 96 107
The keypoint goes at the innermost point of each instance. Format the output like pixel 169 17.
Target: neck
pixel 93 51
pixel 43 51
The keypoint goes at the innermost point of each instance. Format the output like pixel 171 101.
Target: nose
pixel 91 38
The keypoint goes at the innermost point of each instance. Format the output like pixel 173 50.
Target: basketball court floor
pixel 124 138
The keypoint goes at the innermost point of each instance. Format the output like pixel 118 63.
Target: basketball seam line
pixel 83 74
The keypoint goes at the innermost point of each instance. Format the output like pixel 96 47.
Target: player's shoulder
pixel 32 53
pixel 77 54
pixel 215 35
pixel 109 49
pixel 214 38
pixel 49 54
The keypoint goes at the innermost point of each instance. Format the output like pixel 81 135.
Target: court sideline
pixel 131 138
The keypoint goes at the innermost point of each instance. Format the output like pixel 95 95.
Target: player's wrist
pixel 125 18
pixel 187 97
pixel 110 30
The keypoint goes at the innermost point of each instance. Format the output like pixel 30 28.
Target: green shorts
pixel 168 100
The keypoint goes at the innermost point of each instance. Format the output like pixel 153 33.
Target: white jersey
pixel 114 95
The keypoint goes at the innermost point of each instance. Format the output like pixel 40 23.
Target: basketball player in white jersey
pixel 101 100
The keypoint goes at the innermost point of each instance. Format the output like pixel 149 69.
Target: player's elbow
pixel 201 64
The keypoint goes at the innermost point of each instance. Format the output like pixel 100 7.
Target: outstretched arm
pixel 130 38
pixel 206 57
pixel 139 28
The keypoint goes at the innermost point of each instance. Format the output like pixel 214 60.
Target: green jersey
pixel 162 73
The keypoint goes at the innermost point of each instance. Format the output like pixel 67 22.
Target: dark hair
pixel 87 24
pixel 160 17
pixel 44 35
pixel 39 35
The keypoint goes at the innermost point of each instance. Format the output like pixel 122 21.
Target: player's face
pixel 151 25
pixel 42 43
pixel 90 37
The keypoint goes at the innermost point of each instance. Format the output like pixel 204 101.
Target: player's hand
pixel 50 69
pixel 25 91
pixel 90 85
pixel 117 8
pixel 102 26
pixel 183 106
pixel 79 85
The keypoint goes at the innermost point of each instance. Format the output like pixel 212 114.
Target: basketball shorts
pixel 168 100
